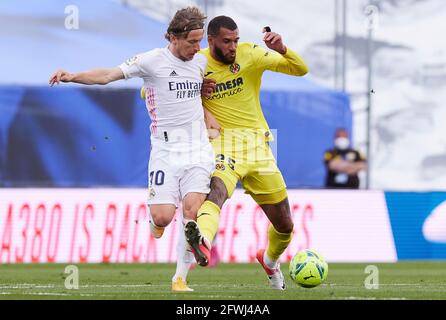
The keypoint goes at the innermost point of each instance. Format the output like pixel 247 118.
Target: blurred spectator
pixel 343 163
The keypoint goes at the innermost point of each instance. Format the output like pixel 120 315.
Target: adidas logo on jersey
pixel 173 74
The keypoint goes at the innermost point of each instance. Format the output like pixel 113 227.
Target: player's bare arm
pixel 95 76
pixel 212 124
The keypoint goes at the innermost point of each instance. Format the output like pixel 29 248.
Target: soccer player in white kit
pixel 181 158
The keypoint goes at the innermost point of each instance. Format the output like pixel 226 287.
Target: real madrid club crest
pixel 234 68
pixel 151 193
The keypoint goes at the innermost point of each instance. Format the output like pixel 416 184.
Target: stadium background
pixel 73 159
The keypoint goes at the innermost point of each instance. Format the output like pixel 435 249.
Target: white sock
pixel 270 263
pixel 188 256
pixel 185 257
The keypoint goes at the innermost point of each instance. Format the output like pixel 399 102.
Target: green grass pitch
pixel 403 280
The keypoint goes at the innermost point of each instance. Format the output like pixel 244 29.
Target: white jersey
pixel 173 87
pixel 181 157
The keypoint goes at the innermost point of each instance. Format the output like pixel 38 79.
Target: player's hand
pixel 274 41
pixel 60 75
pixel 211 122
pixel 213 133
pixel 208 87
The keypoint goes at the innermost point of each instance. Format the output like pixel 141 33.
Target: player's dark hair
pixel 221 22
pixel 184 21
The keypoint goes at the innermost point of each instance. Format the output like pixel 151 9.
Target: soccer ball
pixel 308 268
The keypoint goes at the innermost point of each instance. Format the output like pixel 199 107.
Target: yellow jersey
pixel 235 103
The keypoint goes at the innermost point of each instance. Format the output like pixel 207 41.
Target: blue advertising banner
pixel 91 137
pixel 418 224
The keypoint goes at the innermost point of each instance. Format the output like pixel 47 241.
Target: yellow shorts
pixel 255 168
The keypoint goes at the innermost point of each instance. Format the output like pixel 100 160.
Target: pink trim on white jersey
pixel 151 108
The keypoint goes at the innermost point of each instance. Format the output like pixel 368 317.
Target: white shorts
pixel 176 169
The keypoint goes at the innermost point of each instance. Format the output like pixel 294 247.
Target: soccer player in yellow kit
pixel 242 150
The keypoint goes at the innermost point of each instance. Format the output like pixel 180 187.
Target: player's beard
pixel 221 57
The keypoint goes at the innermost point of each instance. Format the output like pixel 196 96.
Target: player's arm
pixel 292 64
pixel 208 87
pixel 211 124
pixel 288 61
pixel 95 76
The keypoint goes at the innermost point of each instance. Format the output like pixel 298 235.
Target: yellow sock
pixel 277 242
pixel 207 219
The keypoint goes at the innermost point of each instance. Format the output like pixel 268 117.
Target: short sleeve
pixel 139 66
pixel 130 67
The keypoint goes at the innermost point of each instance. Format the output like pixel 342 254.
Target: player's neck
pixel 174 52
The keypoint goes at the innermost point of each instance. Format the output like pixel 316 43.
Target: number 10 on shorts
pixel 159 178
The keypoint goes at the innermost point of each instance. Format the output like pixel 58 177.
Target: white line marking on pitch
pixel 368 298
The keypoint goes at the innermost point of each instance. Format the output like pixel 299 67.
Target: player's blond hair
pixel 184 21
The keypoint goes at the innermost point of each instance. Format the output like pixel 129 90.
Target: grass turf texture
pixel 403 280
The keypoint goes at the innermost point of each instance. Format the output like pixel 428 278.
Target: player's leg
pixel 185 259
pixel 191 202
pixel 209 212
pixel 201 234
pixel 160 215
pixel 163 200
pixel 266 186
pixel 163 194
pixel 223 182
pixel 280 233
pixel 281 227
pixel 194 187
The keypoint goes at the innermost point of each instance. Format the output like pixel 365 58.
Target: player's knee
pixel 288 226
pixel 285 222
pixel 284 226
pixel 219 193
pixel 159 219
pixel 190 211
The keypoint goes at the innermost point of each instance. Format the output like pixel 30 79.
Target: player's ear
pixel 173 39
pixel 169 36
